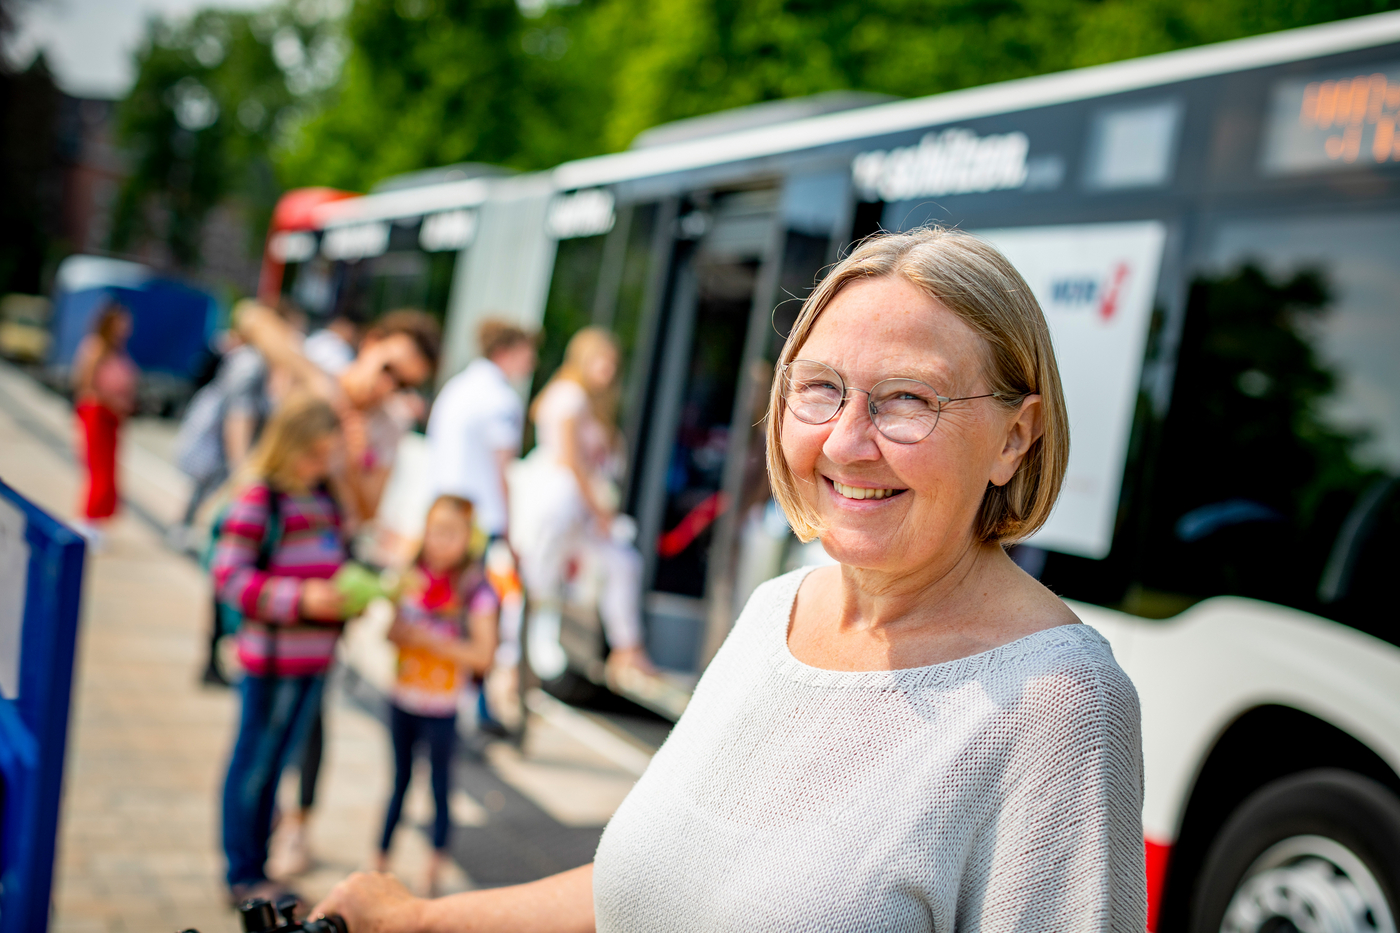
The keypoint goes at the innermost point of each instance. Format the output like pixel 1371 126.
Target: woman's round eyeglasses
pixel 904 410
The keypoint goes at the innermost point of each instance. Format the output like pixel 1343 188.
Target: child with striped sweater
pixel 279 544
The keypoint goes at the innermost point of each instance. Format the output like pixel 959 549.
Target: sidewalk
pixel 138 847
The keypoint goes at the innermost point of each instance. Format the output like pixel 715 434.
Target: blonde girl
pixel 446 632
pixel 279 544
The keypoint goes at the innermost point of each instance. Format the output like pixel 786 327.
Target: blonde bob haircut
pixel 970 278
pixel 294 428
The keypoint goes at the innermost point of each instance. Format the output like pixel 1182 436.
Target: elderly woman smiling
pixel 920 738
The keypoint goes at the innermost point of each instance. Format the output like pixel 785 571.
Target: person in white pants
pixel 564 505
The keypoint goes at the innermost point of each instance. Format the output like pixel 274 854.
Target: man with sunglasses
pixel 397 354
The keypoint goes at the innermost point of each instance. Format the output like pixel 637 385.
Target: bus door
pixel 723 244
pixel 703 496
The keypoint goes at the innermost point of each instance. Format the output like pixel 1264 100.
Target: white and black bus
pixel 1214 235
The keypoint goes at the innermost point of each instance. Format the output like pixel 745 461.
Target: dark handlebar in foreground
pixel 262 916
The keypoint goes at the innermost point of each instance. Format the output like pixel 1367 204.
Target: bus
pixel 1214 235
pixel 417 241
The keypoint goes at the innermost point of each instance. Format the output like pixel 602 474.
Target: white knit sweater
pixel 998 792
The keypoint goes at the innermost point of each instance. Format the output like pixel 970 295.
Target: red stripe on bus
pixel 694 523
pixel 1157 855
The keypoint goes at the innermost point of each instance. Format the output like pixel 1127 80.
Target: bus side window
pixel 1226 508
pixel 1357 583
pixel 1274 478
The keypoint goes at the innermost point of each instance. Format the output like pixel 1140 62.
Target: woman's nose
pixel 852 435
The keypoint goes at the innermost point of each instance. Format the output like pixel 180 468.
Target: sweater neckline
pixel 1075 634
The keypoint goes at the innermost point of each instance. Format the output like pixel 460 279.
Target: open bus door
pixel 701 290
pixel 695 438
pixel 711 269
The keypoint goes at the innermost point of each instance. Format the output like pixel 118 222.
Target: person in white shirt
pixel 920 737
pixel 474 433
pixel 477 422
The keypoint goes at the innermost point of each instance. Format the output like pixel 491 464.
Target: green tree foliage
pixel 431 82
pixel 213 96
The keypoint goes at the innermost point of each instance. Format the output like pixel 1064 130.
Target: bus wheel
pixel 1317 851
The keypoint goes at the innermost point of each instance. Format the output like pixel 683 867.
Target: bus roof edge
pixel 1003 97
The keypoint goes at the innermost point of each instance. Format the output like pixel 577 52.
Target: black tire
pixel 1283 820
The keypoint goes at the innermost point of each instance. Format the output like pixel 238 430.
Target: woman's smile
pixel 863 493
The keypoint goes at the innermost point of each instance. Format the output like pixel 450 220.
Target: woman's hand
pixel 320 600
pixel 376 903
pixel 372 902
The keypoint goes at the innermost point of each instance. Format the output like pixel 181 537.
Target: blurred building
pixel 92 170
pixel 60 172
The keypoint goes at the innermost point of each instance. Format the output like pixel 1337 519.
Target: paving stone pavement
pixel 138 846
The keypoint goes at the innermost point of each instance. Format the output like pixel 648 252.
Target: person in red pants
pixel 104 393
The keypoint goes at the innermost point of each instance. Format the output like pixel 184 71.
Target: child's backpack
pixel 229 616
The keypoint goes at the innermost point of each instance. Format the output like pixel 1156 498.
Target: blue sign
pixel 41 578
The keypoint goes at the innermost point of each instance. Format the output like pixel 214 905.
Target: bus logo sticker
pixel 955 161
pixel 1080 292
pixel 1096 283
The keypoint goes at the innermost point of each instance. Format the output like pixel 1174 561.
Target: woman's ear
pixel 1023 429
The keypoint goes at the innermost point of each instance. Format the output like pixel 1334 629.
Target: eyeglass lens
pixel 903 410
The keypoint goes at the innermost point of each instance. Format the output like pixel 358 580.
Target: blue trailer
pixel 172 321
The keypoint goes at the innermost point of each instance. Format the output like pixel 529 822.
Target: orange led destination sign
pixel 1334 122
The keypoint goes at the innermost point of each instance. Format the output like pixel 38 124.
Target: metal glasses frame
pixel 846 391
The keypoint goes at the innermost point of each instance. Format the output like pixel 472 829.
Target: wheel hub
pixel 1308 884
